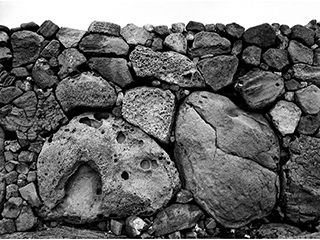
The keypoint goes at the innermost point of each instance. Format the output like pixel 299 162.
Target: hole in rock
pixel 145 164
pixel 101 115
pixel 188 76
pixel 277 84
pixel 90 122
pixel 121 137
pixel 125 175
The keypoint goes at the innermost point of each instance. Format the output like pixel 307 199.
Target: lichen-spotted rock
pixel 101 165
pixel 227 158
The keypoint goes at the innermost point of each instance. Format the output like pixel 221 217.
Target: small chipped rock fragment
pixel 135 226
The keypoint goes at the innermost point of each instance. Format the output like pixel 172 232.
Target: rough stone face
pixel 184 196
pixel 135 35
pixel 307 73
pixel 108 159
pixel 26 47
pixel 178 27
pixel 262 35
pixel 48 29
pixel 29 193
pixel 260 88
pixel 103 45
pixel 11 209
pixel 105 28
pixel 234 30
pixel 176 217
pixel 308 99
pixel 32 26
pixel 277 230
pixel 176 42
pixel 8 94
pixel 252 55
pixel 206 43
pixel 7 226
pixel 43 75
pixel 217 147
pixel 151 109
pixel 303 35
pixel 299 53
pixel 116 227
pixel 4 38
pixel 285 117
pixel 69 60
pixel 115 70
pixel 302 171
pixel 85 90
pixel 218 71
pixel 5 54
pixel 276 58
pixel 69 37
pixel 162 30
pixel 195 26
pixel 135 226
pixel 20 72
pixel 170 67
pixel 26 219
pixel 52 49
pixel 309 124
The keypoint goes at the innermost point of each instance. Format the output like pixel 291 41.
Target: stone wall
pixel 190 131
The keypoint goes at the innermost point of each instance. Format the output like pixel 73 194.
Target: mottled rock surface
pixel 252 55
pixel 176 42
pixel 277 230
pixel 302 34
pixel 309 99
pixel 69 37
pixel 43 74
pixel 307 73
pixel 299 53
pixel 5 54
pixel 135 35
pixel 69 60
pixel 48 29
pixel 262 36
pixel 26 219
pixel 276 58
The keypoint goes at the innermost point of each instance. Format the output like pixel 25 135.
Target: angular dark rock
pixel 292 85
pixel 70 37
pixel 8 94
pixel 276 58
pixel 195 26
pixel 299 53
pixel 52 49
pixel 48 29
pixel 4 38
pixel 43 75
pixel 105 28
pixel 234 30
pixel 252 55
pixel 303 35
pixel 69 60
pixel 31 26
pixel 309 124
pixel 262 35
pixel 176 42
pixel 307 73
pixel 5 54
pixel 285 30
pixel 218 71
pixel 135 35
pixel 162 30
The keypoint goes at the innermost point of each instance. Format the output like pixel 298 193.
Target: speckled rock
pixel 26 219
pixel 135 226
pixel 252 55
pixel 69 37
pixel 69 60
pixel 276 58
pixel 307 73
pixel 262 36
pixel 43 75
pixel 217 147
pixel 4 39
pixel 151 109
pixel 135 35
pixel 108 159
pixel 29 193
pixel 105 28
pixel 309 99
pixel 7 226
pixel 299 53
pixel 309 124
pixel 176 42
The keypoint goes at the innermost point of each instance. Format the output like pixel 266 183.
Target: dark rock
pixel 309 124
pixel 316 57
pixel 6 79
pixel 210 27
pixel 116 227
pixel 135 226
pixel 170 67
pixel 29 193
pixel 11 209
pixel 51 50
pixel 69 60
pixel 218 71
pixel 307 73
pixel 135 35
pixel 105 28
pixel 31 26
pixel 22 168
pixel 115 70
pixel 43 75
pixel 220 28
pixel 85 90
pixel 20 72
pixel 2 191
pixel 7 226
pixel 26 219
pixel 234 30
pixel 176 42
pixel 259 88
pixel 160 106
pixel 299 53
pixel 8 94
pixel 4 38
pixel 26 46
pixel 176 217
pixel 237 47
pixel 277 230
pixel 184 196
pixel 262 35
pixel 217 146
pixel 70 37
pixel 103 45
pixel 48 29
pixel 5 29
pixel 292 85
pixel 195 26
pixel 303 35
pixel 5 54
pixel 252 55
pixel 302 171
pixel 276 58
pixel 285 30
pixel 108 159
pixel 209 43
pixel 308 99
pixel 162 30
pixel 27 102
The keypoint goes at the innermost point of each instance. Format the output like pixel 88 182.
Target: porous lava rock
pixel 226 158
pixel 100 164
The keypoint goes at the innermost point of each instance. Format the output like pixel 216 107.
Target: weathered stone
pixel 176 42
pixel 135 226
pixel 43 75
pixel 209 43
pixel 32 176
pixel 8 94
pixel 4 38
pixel 26 46
pixel 277 230
pixel 302 171
pixel 220 28
pixel 108 159
pixel 7 226
pixel 307 73
pixel 20 72
pixel 176 217
pixel 218 71
pixel 303 35
pixel 5 54
pixel 237 47
pixel 6 79
pixel 12 208
pixel 70 59
pixel 285 117
pixel 52 49
pixel 11 177
pixel 217 147
pixel 116 227
pixel 103 45
pixel 48 29
pixel 184 196
pixel 29 193
pixel 260 88
pixel 135 35
pixel 69 37
pixel 31 26
pixel 289 96
pixel 308 99
pixel 170 67
pixel 26 219
pixel 27 102
pixel 178 27
pixel 234 30
pixel 151 109
pixel 210 27
pixel 276 58
pixel 299 53
pixel 195 26
pixel 115 70
pixel 285 30
pixel 85 90
pixel 22 168
pixel 309 124
pixel 252 55
pixel 262 35
pixel 27 156
pixel 157 44
pixel 316 57
pixel 162 31
pixel 292 85
pixel 12 191
pixel 5 29
pixel 105 28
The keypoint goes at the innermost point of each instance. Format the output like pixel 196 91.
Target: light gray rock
pixel 176 42
pixel 299 53
pixel 70 37
pixel 218 146
pixel 105 28
pixel 151 109
pixel 135 35
pixel 170 67
pixel 252 55
pixel 135 226
pixel 5 54
pixel 26 219
pixel 4 38
pixel 29 193
pixel 108 159
pixel 69 60
pixel 308 99
pixel 276 58
pixel 307 73
pixel 116 227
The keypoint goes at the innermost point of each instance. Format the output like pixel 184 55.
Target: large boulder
pixel 262 35
pixel 169 66
pixel 226 158
pixel 101 165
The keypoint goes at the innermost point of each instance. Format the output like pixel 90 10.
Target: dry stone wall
pixel 190 131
